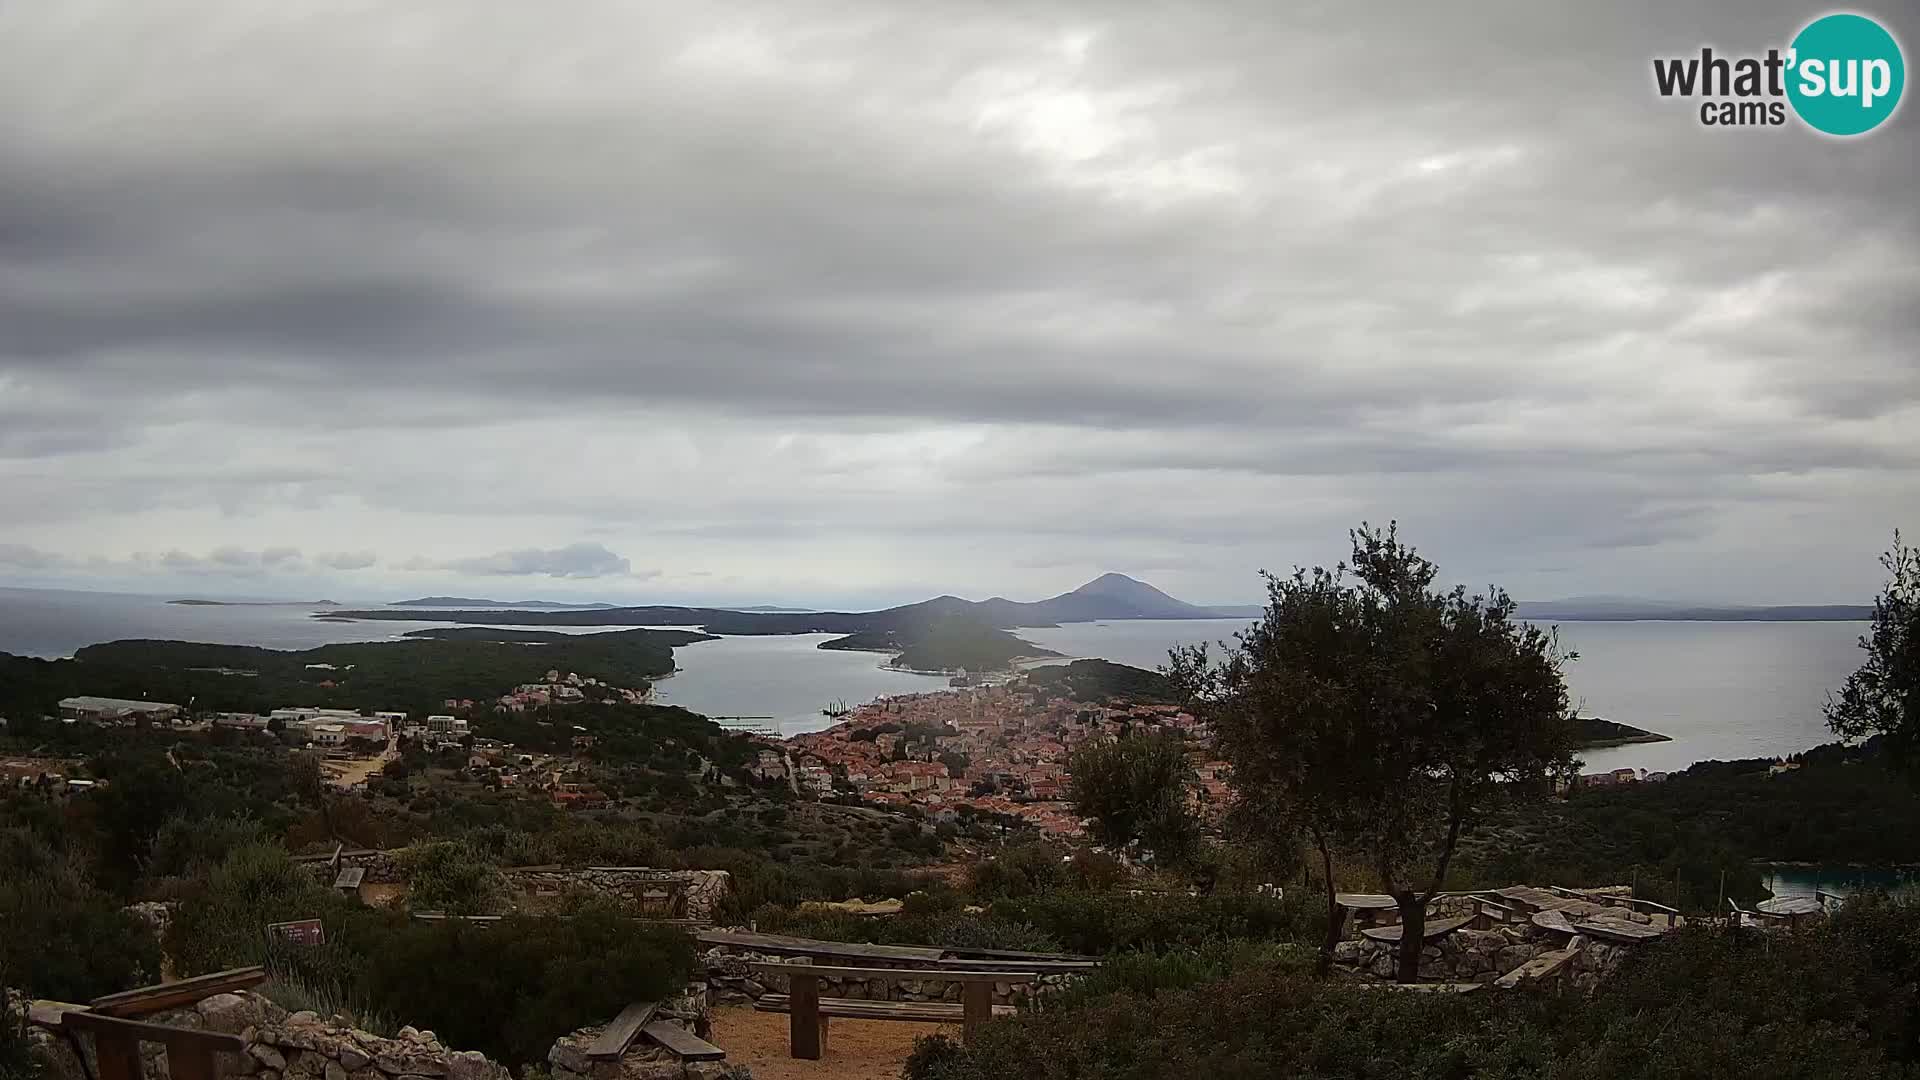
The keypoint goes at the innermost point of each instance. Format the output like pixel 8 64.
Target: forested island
pixel 1597 734
pixel 415 674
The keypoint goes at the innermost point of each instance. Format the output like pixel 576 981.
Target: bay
pixel 1720 690
pixel 788 677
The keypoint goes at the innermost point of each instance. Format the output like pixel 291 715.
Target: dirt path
pixel 856 1049
pixel 353 772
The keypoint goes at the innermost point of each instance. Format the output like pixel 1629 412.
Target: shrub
pixel 193 845
pixel 1097 923
pixel 1018 871
pixel 1145 974
pixel 1832 1002
pixel 512 988
pixel 455 877
pixel 59 936
pixel 224 924
pixel 16 1058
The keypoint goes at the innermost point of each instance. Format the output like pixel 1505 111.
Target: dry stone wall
pixel 703 890
pixel 643 1060
pixel 283 1046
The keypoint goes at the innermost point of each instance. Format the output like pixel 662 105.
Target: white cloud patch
pixel 583 560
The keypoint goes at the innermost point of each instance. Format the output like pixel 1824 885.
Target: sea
pixel 1718 689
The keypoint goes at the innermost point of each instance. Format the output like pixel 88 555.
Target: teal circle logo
pixel 1845 74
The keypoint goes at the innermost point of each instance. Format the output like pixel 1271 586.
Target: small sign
pixel 300 931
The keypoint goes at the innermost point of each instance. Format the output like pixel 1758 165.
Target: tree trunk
pixel 1336 915
pixel 1413 927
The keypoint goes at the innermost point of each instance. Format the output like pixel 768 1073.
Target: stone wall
pixel 703 890
pixel 282 1046
pixel 1462 956
pixel 644 1060
pixel 1482 956
pixel 382 867
pixel 731 980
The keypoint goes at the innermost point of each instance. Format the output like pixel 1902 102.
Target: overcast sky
pixel 854 303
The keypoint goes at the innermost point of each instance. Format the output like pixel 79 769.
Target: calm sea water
pixel 784 677
pixel 1722 690
pixel 1837 880
pixel 787 677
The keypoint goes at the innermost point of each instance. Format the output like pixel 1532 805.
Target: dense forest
pixel 414 675
pixel 1099 680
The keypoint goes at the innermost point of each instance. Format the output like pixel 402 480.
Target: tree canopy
pixel 1134 790
pixel 1382 716
pixel 1883 696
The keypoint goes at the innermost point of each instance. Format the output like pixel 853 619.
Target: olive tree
pixel 1134 789
pixel 1883 697
pixel 1382 717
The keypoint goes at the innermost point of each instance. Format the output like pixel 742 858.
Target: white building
pixel 106 710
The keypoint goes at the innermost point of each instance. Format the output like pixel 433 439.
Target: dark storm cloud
pixel 962 279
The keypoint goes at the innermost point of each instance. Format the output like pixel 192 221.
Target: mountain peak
pixel 1110 579
pixel 1120 585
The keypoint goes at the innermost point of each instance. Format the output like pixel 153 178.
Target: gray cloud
pixel 347 560
pixel 827 299
pixel 584 560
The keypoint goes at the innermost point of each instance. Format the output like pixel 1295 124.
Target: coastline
pixel 1625 740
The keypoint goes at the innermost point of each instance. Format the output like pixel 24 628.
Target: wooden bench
pixel 1434 928
pixel 164 996
pixel 926 1012
pixel 807 1026
pixel 635 1021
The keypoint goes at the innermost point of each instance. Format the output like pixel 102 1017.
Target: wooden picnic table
pixel 838 950
pixel 1790 907
pixel 808 1012
pixel 1436 928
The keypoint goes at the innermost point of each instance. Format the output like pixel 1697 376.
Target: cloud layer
pixel 838 301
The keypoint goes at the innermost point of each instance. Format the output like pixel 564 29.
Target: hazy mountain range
pixel 469 602
pixel 1109 596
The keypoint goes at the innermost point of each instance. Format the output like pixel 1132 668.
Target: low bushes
pixel 60 937
pixel 1097 923
pixel 1147 974
pixel 507 989
pixel 455 877
pixel 1840 1002
pixel 510 989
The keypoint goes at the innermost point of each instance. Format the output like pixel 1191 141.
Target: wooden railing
pixel 117 1036
pixel 116 1045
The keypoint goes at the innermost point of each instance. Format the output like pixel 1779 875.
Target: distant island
pixel 468 601
pixel 670 638
pixel 772 608
pixel 416 675
pixel 256 603
pixel 948 633
pixel 1598 734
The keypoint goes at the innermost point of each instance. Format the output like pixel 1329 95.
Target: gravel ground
pixel 856 1049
